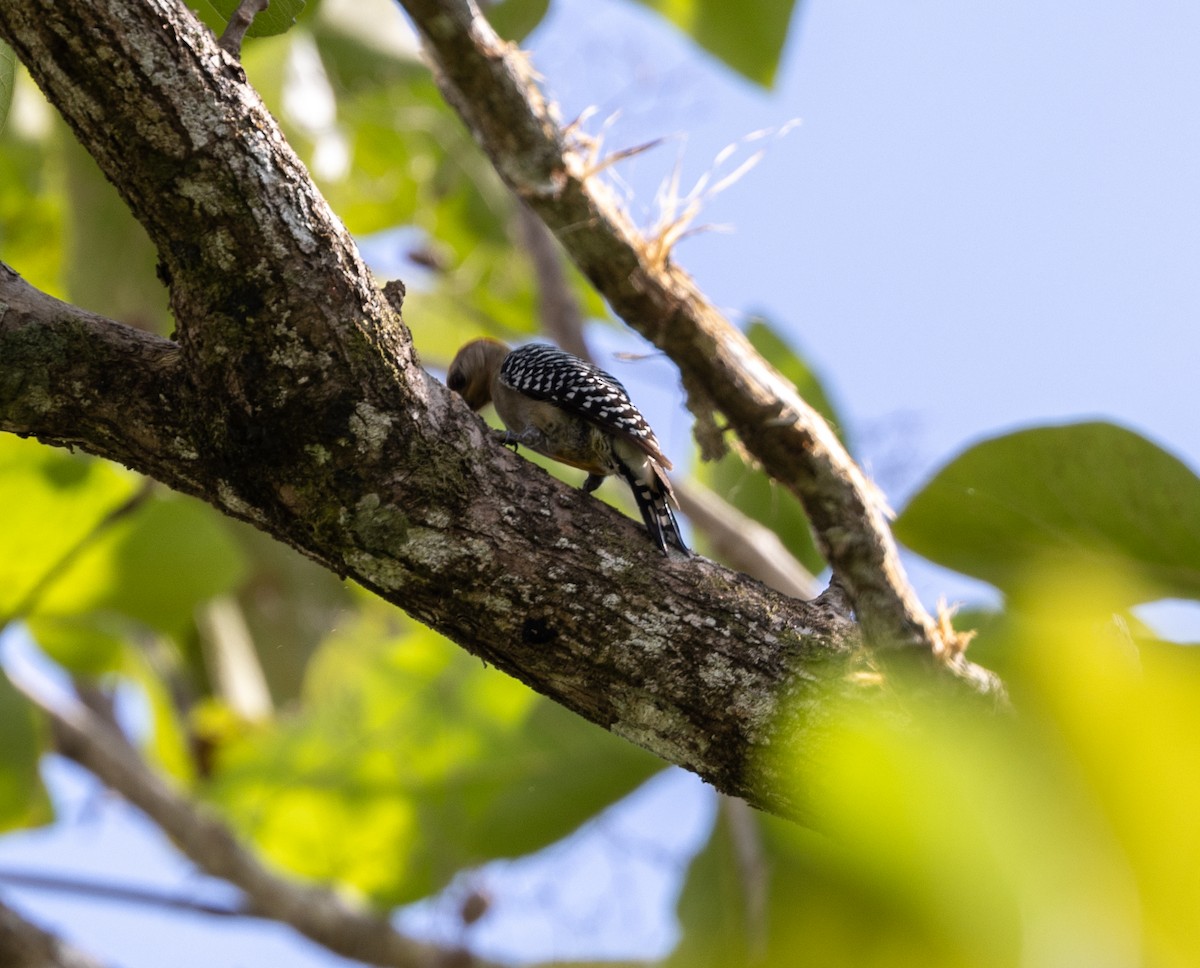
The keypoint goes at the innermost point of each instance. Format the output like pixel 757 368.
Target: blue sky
pixel 989 217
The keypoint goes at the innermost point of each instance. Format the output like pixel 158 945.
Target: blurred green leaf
pixel 90 644
pixel 714 905
pixel 110 265
pixel 168 744
pixel 279 17
pixel 1091 492
pixel 748 488
pixel 32 206
pixel 23 799
pixel 763 889
pixel 982 830
pixel 413 165
pixel 154 566
pixel 515 19
pixel 967 839
pixel 289 604
pixel 422 759
pixel 1060 833
pixel 764 337
pixel 8 71
pixel 53 501
pixel 748 36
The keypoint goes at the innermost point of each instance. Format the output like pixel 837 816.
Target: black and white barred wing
pixel 547 373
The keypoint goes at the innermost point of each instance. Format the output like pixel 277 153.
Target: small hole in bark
pixel 536 631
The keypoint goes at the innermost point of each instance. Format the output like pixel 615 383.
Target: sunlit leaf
pixel 515 19
pixel 8 70
pixel 23 799
pixel 1124 707
pixel 110 265
pixel 1086 493
pixel 423 760
pixel 154 566
pixel 32 207
pixel 763 889
pixel 982 840
pixel 53 501
pixel 167 744
pixel 748 36
pixel 88 644
pixel 279 16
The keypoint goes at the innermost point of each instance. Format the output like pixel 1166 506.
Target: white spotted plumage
pixel 547 373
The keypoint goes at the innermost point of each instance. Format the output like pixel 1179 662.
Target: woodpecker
pixel 574 412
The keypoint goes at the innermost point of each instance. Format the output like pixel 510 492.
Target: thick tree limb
pixel 490 83
pixel 693 661
pixel 293 400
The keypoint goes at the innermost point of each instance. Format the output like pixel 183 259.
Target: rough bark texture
pixel 292 398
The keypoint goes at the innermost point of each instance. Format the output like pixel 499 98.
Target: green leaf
pixel 1090 493
pixel 23 799
pixel 169 744
pixel 32 207
pixel 111 263
pixel 748 36
pixel 515 19
pixel 8 71
pixel 763 888
pixel 53 501
pixel 424 761
pixel 91 644
pixel 279 17
pixel 154 566
pixel 747 487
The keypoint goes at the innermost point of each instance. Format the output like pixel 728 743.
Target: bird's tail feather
pixel 654 501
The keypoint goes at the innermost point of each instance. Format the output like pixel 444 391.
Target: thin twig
pixel 120 893
pixel 239 23
pixel 24 945
pixel 560 314
pixel 743 543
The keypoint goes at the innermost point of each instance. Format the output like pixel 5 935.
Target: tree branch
pixel 119 893
pixel 316 913
pixel 25 945
pixel 491 84
pixel 239 23
pixel 293 400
